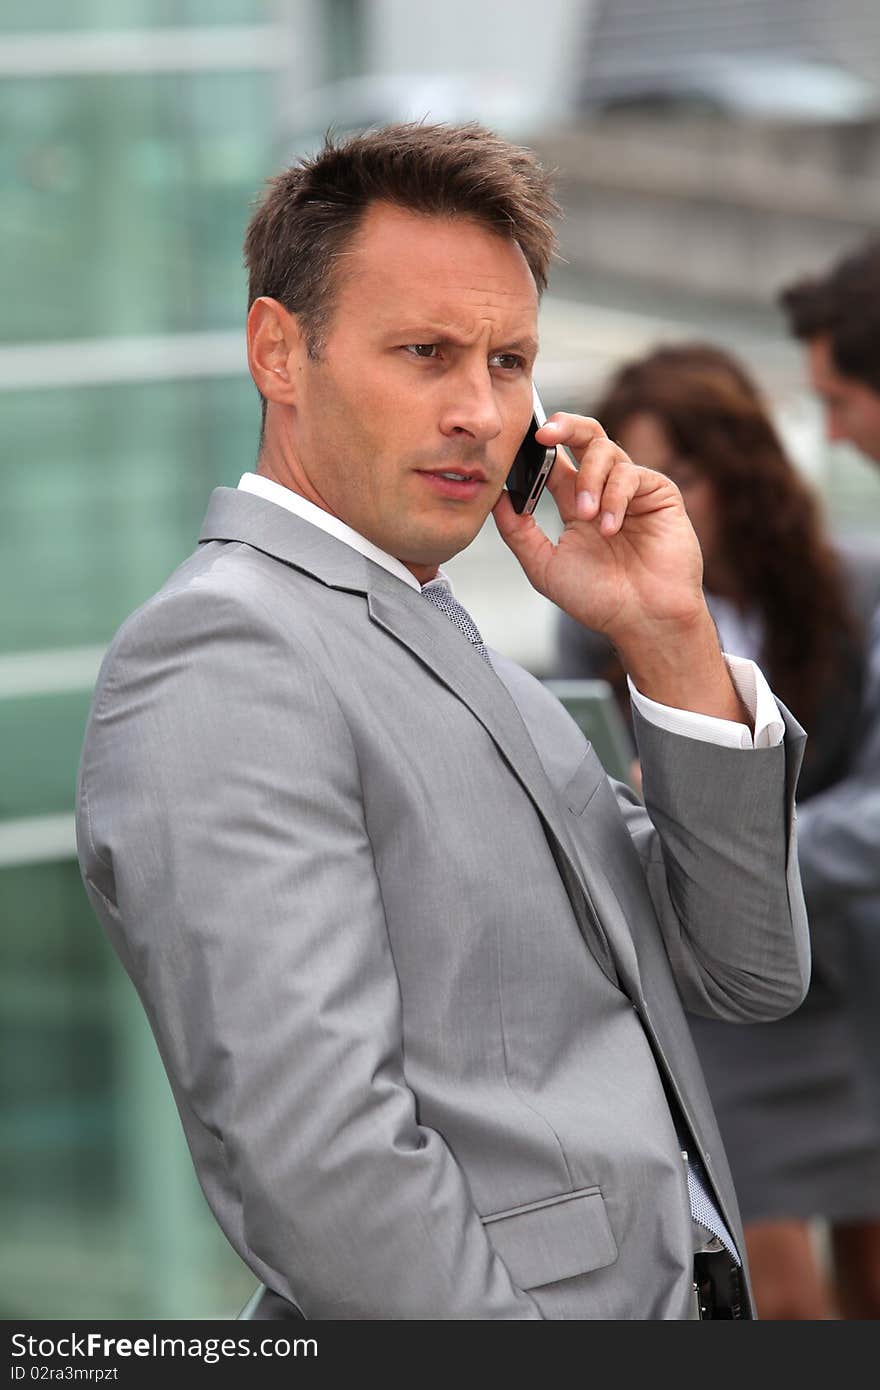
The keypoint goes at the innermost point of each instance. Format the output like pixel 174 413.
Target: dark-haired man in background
pixel 837 318
pixel 414 966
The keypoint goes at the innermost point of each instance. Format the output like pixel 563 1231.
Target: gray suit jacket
pixel 414 966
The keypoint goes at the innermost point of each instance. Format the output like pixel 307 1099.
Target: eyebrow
pixel 528 346
pixel 423 333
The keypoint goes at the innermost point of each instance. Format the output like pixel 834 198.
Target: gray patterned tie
pixel 703 1207
pixel 437 591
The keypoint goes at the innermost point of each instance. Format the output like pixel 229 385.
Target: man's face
pixel 425 372
pixel 852 409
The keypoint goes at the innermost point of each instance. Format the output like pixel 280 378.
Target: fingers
pixel 577 432
pixel 615 483
pixel 606 479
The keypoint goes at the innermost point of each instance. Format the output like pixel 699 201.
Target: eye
pixel 425 350
pixel 509 361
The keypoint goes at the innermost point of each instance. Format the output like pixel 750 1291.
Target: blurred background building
pixel 707 153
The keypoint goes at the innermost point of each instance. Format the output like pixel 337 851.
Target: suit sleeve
pixel 839 829
pixel 716 837
pixel 222 829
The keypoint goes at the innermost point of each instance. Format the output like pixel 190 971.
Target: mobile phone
pixel 531 467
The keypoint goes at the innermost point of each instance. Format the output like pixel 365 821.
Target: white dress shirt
pixel 749 681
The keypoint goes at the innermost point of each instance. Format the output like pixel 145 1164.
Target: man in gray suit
pixel 414 966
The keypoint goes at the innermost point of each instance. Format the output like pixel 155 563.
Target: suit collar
pixel 236 515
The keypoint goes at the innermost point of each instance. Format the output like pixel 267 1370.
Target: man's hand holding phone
pixel 627 564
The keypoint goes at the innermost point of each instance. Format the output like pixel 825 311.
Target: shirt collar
pixel 302 507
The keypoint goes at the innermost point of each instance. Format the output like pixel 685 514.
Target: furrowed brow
pixel 527 346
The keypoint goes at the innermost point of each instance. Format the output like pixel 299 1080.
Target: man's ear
pixel 274 346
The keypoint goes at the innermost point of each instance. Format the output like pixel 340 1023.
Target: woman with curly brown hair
pixel 793 1098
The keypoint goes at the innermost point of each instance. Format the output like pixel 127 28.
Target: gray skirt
pixel 797 1112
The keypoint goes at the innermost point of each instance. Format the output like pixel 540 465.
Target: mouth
pixel 460 484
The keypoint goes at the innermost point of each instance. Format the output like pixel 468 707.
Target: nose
pixel 471 410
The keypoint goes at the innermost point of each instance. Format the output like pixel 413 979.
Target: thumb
pixel 523 535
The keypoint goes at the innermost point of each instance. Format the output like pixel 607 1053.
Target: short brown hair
pixel 310 212
pixel 843 306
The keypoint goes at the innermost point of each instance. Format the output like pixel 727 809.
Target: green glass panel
pixel 105 496
pixel 41 737
pixel 99 1206
pixel 19 16
pixel 343 32
pixel 125 200
pixel 53 986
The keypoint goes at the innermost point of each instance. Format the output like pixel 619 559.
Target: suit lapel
pixel 439 646
pixel 236 515
pixel 615 924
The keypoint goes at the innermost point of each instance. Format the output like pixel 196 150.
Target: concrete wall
pixel 714 206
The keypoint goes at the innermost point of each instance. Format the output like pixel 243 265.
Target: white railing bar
pixel 49 671
pixel 37 840
pixel 107 361
pixel 218 48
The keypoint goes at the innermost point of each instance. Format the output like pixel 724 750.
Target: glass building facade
pixel 133 137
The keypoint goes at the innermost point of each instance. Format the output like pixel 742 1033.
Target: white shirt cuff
pixel 752 689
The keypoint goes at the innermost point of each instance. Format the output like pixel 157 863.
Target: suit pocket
pixel 579 789
pixel 556 1239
